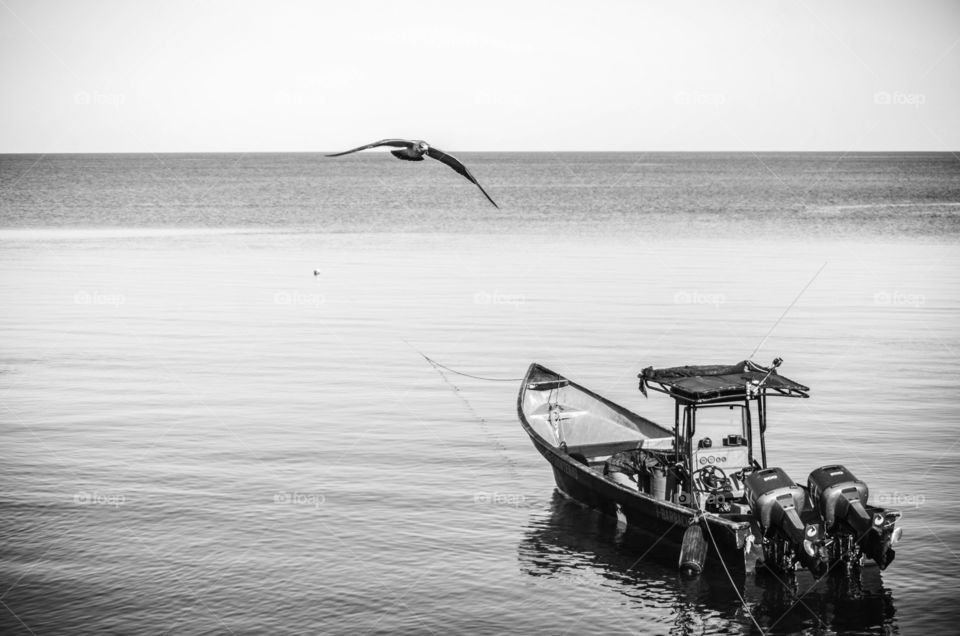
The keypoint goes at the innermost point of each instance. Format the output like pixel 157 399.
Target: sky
pixel 245 76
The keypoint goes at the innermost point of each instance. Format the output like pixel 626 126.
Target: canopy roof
pixel 718 383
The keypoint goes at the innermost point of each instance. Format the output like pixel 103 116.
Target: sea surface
pixel 217 417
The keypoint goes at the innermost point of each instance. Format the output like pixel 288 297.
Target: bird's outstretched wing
pixel 454 163
pixel 397 143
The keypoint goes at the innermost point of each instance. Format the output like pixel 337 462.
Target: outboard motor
pixel 842 501
pixel 841 497
pixel 778 503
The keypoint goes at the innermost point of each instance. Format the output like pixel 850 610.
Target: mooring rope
pixel 743 601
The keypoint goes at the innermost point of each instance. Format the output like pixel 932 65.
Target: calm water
pixel 200 436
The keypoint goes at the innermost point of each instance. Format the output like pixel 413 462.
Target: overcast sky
pixel 123 76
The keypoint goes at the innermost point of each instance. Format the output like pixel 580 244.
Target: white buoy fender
pixel 693 552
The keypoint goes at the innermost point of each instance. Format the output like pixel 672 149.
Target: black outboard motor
pixel 842 501
pixel 842 498
pixel 778 503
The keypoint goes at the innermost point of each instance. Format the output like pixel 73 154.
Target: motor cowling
pixel 841 498
pixel 776 501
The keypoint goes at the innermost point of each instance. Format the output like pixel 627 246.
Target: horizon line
pixel 324 152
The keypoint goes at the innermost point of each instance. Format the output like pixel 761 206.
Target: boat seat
pixel 604 450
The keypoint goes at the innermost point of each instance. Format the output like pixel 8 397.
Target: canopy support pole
pixel 762 416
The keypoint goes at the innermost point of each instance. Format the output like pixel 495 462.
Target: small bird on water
pixel 414 150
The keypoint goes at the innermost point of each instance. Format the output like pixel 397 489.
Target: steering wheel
pixel 713 478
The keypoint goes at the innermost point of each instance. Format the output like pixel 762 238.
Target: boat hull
pixel 663 520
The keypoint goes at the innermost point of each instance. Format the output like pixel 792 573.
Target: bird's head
pixel 422 146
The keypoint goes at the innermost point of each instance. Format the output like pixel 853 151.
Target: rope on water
pixel 466 375
pixel 494 440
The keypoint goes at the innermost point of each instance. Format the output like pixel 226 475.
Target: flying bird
pixel 413 150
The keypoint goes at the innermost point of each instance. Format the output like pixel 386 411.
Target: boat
pixel 703 487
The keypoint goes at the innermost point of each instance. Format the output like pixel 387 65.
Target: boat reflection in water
pixel 610 577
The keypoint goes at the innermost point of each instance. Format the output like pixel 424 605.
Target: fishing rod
pixel 776 362
pixel 787 310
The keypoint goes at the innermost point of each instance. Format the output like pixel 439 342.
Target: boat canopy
pixel 719 383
